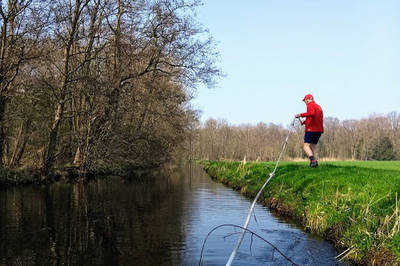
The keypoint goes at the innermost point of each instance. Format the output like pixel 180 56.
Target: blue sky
pixel 345 53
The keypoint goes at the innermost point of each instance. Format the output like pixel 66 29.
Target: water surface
pixel 161 220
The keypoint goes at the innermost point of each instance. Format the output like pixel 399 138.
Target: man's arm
pixel 310 112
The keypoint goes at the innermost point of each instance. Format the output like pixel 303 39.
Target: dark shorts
pixel 312 137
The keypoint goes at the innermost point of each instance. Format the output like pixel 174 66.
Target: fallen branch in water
pixel 252 235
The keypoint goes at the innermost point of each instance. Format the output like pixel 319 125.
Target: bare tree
pixel 99 82
pixel 67 36
pixel 371 138
pixel 21 22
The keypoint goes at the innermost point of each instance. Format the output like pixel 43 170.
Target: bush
pixel 382 150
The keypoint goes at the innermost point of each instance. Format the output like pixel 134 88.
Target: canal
pixel 159 220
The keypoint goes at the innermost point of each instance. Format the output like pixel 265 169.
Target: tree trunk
pixel 3 102
pixel 53 137
pixel 51 149
pixel 20 143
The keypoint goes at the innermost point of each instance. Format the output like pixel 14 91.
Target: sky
pixel 273 52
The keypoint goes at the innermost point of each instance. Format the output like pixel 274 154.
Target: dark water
pixel 156 221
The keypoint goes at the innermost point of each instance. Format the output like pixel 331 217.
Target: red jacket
pixel 314 118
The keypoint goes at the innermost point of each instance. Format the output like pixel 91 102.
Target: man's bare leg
pixel 311 150
pixel 314 150
pixel 307 149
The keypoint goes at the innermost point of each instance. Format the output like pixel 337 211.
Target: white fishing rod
pixel 271 175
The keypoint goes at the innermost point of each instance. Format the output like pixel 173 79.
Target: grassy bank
pixel 356 205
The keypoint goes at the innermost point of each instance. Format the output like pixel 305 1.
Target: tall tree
pixel 70 18
pixel 21 28
pixel 107 82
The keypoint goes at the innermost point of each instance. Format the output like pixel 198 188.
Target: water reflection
pixel 160 220
pixel 105 223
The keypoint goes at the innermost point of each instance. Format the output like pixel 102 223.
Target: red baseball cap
pixel 308 96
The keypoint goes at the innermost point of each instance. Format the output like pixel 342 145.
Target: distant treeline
pixel 98 82
pixel 373 138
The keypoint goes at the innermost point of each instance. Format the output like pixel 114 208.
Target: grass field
pixel 354 204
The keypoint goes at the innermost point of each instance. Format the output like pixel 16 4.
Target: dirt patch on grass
pixel 380 256
pixel 285 210
pixel 333 233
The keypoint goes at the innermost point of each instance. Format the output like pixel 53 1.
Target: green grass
pixel 384 165
pixel 355 204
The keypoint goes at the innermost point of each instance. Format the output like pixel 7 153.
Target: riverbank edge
pixel 68 174
pixel 382 256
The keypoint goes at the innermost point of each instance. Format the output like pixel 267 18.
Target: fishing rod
pixel 271 175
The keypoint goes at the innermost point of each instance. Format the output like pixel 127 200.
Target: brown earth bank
pixel 34 176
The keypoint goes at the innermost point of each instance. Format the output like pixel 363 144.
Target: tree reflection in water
pixel 108 222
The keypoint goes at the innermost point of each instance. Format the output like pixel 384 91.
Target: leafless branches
pixel 106 81
pixel 374 138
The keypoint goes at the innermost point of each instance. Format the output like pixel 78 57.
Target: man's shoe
pixel 314 164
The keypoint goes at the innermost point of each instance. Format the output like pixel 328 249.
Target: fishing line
pixel 271 175
pixel 251 211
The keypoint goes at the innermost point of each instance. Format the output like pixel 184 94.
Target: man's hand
pixel 297 116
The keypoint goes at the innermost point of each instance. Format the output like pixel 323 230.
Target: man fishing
pixel 314 128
